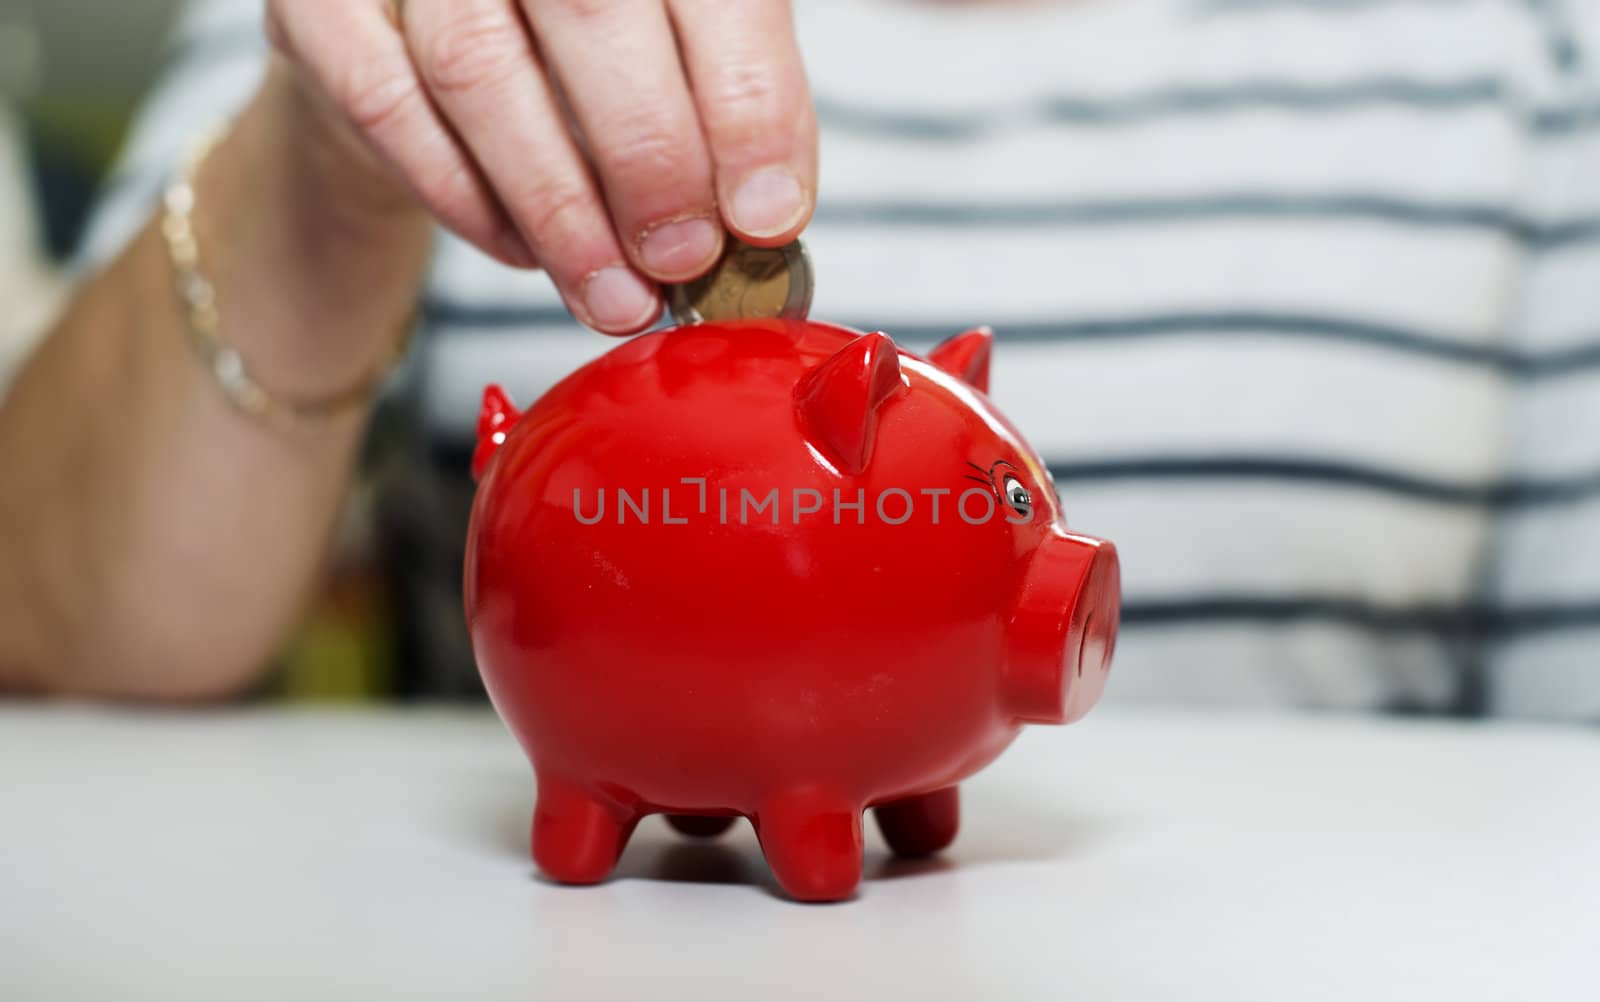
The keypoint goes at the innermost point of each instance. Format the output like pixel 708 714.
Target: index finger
pixel 744 67
pixel 354 54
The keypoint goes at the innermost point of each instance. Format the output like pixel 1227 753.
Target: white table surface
pixel 383 855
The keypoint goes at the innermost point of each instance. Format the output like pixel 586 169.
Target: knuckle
pixel 372 103
pixel 472 51
pixel 747 103
pixel 649 156
pixel 584 10
pixel 448 191
pixel 559 219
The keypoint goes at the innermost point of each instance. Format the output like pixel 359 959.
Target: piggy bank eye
pixel 1017 496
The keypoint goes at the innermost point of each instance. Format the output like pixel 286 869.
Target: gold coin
pixel 747 283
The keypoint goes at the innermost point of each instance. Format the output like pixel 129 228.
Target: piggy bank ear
pixel 495 421
pixel 838 401
pixel 966 357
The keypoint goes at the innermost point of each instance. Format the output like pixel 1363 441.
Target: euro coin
pixel 747 283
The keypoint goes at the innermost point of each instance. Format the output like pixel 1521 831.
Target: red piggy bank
pixel 776 569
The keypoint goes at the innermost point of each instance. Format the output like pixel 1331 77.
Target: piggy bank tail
pixel 495 421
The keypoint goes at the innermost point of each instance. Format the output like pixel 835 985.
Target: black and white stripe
pixel 1299 298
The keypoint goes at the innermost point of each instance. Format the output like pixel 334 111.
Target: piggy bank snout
pixel 1063 630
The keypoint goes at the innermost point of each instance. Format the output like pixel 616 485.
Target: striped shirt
pixel 1300 299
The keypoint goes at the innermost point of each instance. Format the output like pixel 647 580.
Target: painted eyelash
pixel 980 469
pixel 985 481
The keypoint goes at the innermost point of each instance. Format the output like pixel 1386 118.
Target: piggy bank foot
pixel 577 837
pixel 921 825
pixel 812 841
pixel 700 825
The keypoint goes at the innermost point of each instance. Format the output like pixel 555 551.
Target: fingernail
pixel 768 202
pixel 680 248
pixel 619 300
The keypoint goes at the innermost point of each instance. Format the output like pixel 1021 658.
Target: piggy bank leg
pixel 577 837
pixel 921 825
pixel 700 825
pixel 812 841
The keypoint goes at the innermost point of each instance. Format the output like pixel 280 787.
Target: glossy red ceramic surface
pixel 660 641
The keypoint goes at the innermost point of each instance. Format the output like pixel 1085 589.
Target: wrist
pixel 315 251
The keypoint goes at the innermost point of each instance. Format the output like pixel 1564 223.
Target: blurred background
pixel 72 74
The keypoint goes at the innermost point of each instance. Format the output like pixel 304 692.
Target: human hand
pixel 607 141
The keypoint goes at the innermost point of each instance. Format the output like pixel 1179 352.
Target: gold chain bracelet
pixel 204 322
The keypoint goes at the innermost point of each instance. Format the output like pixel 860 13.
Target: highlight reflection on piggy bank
pixel 775 569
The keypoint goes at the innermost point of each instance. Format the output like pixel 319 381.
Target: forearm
pixel 154 541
